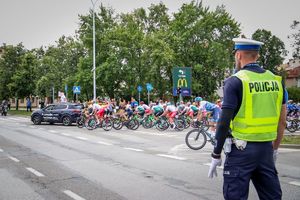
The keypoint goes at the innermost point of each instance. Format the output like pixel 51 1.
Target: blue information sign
pixel 76 89
pixel 149 87
pixel 139 88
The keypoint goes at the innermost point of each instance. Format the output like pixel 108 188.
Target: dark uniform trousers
pixel 255 162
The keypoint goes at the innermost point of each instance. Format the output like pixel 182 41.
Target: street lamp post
pixel 94 50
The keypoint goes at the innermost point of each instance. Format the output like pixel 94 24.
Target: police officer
pixel 254 108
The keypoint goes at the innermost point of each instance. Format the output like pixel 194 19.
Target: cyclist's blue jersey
pixel 205 105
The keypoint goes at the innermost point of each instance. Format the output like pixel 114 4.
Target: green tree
pixel 23 80
pixel 296 38
pixel 273 51
pixel 201 39
pixel 10 63
pixel 294 93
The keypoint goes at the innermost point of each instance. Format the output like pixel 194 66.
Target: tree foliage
pixel 132 49
pixel 273 51
pixel 296 38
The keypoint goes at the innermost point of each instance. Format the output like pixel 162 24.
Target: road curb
pixel 290 146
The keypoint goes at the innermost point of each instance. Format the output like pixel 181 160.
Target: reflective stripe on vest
pixel 258 116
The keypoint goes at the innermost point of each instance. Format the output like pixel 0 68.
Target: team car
pixel 65 113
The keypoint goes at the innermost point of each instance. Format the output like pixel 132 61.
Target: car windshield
pixel 49 107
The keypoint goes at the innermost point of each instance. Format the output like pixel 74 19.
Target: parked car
pixel 65 113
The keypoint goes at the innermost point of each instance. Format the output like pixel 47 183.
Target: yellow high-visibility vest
pixel 258 116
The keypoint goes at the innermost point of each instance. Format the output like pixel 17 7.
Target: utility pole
pixel 94 51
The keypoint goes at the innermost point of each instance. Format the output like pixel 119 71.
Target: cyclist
pixel 157 110
pixel 215 112
pixel 139 110
pixel 170 112
pixel 146 107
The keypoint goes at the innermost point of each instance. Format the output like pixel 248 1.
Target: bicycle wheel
pixel 133 124
pixel 162 125
pixel 107 124
pixel 196 139
pixel 79 122
pixel 179 124
pixel 291 125
pixel 91 124
pixel 117 124
pixel 147 123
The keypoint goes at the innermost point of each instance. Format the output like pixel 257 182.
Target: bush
pixel 294 94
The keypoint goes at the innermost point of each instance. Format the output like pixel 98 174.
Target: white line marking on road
pixel 53 131
pixel 170 156
pixel 81 138
pixel 208 164
pixel 104 143
pixel 13 159
pixel 287 150
pixel 1 150
pixel 132 149
pixel 295 183
pixel 35 172
pixel 32 126
pixel 65 134
pixel 73 195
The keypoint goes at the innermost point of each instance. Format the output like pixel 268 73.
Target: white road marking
pixel 35 172
pixel 81 138
pixel 16 119
pixel 32 126
pixel 1 150
pixel 73 195
pixel 65 134
pixel 53 131
pixel 104 143
pixel 286 150
pixel 13 159
pixel 132 149
pixel 208 164
pixel 295 183
pixel 170 156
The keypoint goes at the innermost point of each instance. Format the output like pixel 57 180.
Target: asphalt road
pixel 56 162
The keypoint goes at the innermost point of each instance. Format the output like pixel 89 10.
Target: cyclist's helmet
pixel 141 102
pixel 169 103
pixel 198 99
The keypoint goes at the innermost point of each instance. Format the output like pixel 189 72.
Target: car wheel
pixel 36 120
pixel 67 121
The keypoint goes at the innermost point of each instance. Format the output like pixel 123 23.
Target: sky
pixel 42 22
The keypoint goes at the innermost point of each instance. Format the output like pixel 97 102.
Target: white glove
pixel 213 167
pixel 275 154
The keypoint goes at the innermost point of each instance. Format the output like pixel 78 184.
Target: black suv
pixel 66 113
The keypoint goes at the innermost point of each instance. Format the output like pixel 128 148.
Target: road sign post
pixel 149 89
pixel 139 88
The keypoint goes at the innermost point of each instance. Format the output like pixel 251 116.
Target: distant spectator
pixel 28 104
pixel 8 104
pixel 42 104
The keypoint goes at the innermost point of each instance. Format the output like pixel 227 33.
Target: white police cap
pixel 246 44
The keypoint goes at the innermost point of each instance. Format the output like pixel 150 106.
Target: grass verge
pixel 19 112
pixel 291 139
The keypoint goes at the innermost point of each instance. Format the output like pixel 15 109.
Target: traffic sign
pixel 182 78
pixel 76 89
pixel 139 88
pixel 149 87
